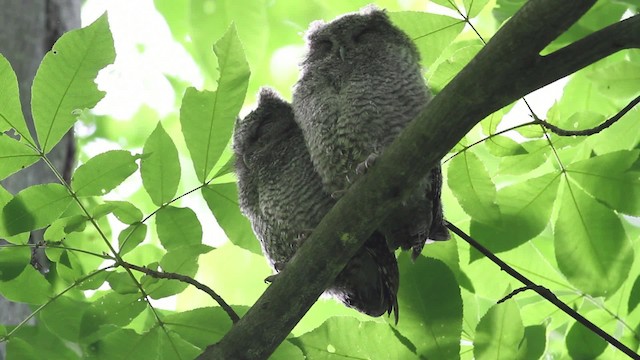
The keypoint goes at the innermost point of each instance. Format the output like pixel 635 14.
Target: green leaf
pixel 222 200
pixel 499 333
pixel 160 166
pixel 430 307
pixel 583 343
pixel 347 337
pixel 64 83
pixel 178 227
pixel 63 317
pixel 430 32
pixel 200 327
pixel 471 8
pixel 30 342
pixel 11 116
pixel 592 249
pixel 29 287
pixel 604 176
pixel 123 211
pixel 526 210
pixel 34 208
pixel 15 155
pixel 536 338
pixel 103 173
pixel 122 283
pixel 152 345
pixel 110 309
pixel 207 117
pixel 183 261
pixel 447 69
pixel 473 187
pixel 131 237
pixel 60 228
pixel 634 296
pixel 13 260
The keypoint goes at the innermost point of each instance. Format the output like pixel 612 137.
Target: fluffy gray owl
pixel 360 85
pixel 282 196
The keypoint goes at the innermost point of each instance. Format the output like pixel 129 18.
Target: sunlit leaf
pixel 63 317
pixel 34 208
pixel 178 227
pixel 123 211
pixel 64 83
pixel 472 186
pixel 11 116
pixel 592 249
pixel 345 337
pixel 526 209
pixel 430 307
pixel 222 200
pixel 470 8
pixel 431 33
pixel 451 66
pixel 499 333
pixel 111 309
pixel 207 117
pixel 608 178
pixel 183 261
pixel 15 156
pixel 131 237
pixel 103 173
pixel 536 338
pixel 202 326
pixel 160 167
pixel 13 260
pixel 151 345
pixel 634 296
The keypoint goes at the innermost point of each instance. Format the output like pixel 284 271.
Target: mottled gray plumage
pixel 283 197
pixel 360 85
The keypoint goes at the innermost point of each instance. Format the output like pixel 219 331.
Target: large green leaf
pixel 348 338
pixel 472 186
pixel 13 260
pixel 64 83
pixel 592 249
pixel 178 227
pixel 499 333
pixel 610 179
pixel 583 343
pixel 430 307
pixel 11 116
pixel 431 33
pixel 152 345
pixel 14 155
pixel 207 117
pixel 103 173
pixel 222 200
pixel 526 210
pixel 34 208
pixel 111 309
pixel 160 166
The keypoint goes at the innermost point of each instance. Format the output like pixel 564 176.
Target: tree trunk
pixel 28 29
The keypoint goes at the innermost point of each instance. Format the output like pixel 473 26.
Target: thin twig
pixel 586 132
pixel 544 292
pixel 186 279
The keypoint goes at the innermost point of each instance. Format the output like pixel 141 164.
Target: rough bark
pixel 508 68
pixel 28 29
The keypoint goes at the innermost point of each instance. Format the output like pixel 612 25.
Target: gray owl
pixel 282 196
pixel 360 85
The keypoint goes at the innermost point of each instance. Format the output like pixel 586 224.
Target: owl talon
pixel 367 163
pixel 269 279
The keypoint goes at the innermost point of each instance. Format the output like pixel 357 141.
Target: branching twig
pixel 542 291
pixel 586 132
pixel 186 279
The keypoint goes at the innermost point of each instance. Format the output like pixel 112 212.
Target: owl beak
pixel 342 52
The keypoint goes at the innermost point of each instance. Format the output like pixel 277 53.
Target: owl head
pixel 268 123
pixel 357 38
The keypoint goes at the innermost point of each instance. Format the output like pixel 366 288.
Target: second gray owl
pixel 360 85
pixel 282 196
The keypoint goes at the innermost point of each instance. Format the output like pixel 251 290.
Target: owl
pixel 283 197
pixel 360 85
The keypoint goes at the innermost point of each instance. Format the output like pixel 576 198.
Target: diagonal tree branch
pixel 498 75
